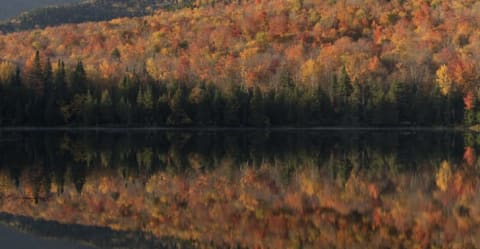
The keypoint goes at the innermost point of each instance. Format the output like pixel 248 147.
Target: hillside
pixel 11 8
pixel 83 11
pixel 274 62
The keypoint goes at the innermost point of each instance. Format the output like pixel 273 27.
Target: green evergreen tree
pixel 423 116
pixel 320 110
pixel 88 108
pixel 35 74
pixel 48 78
pixel 61 87
pixel 177 104
pixel 79 79
pixel 286 79
pixel 340 90
pixel 232 108
pixel 163 109
pixel 218 104
pixel 257 115
pixel 470 117
pixel 303 107
pixel 355 112
pixel 291 101
pixel 243 97
pixel 106 107
pixel 344 86
pixel 200 99
pixel 50 113
pixel 123 111
pixel 140 111
pixel 116 54
pixel 19 93
pixel 376 106
pixel 145 104
pixel 278 109
pixel 395 97
pixel 456 107
pixel 34 105
pixel 437 106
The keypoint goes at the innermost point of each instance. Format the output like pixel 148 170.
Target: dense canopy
pixel 346 61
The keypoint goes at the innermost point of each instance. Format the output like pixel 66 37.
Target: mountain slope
pixel 85 11
pixel 11 8
pixel 349 62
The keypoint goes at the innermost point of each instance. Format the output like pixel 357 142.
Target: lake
pixel 239 189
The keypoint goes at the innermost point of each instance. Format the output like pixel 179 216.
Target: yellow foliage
pixel 443 80
pixel 106 69
pixel 6 71
pixel 357 66
pixel 195 160
pixel 308 70
pixel 152 68
pixel 248 201
pixel 307 186
pixel 5 181
pixel 249 52
pixel 104 185
pixel 54 188
pixel 444 175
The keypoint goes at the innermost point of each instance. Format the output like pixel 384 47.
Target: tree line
pixel 37 95
pixel 62 157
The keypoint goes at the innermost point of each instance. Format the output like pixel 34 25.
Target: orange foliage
pixel 386 39
pixel 470 156
pixel 469 100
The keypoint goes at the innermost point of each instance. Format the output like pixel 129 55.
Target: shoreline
pixel 220 128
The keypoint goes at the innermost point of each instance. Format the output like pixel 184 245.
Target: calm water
pixel 232 189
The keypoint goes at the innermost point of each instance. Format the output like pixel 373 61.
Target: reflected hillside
pixel 251 189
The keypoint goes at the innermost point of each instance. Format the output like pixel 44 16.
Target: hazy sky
pixel 11 8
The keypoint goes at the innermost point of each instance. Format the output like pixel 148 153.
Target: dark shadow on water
pixel 20 232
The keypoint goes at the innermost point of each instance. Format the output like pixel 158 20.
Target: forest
pixel 251 63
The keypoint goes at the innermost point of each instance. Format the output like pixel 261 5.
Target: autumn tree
pixel 443 80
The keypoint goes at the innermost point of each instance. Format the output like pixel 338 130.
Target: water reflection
pixel 336 189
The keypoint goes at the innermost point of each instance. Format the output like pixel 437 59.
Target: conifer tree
pixel 49 90
pixel 257 109
pixel 178 115
pixel 106 107
pixel 35 73
pixel 89 115
pixel 79 79
pixel 232 108
pixel 19 96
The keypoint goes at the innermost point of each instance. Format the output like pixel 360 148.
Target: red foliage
pixel 469 155
pixel 469 100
